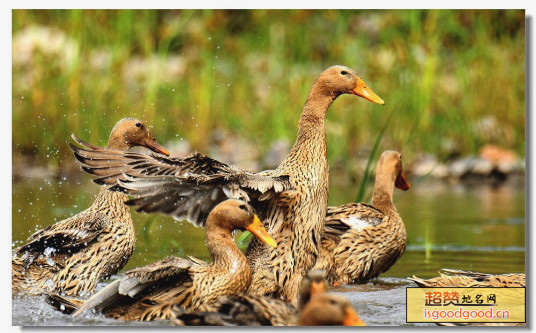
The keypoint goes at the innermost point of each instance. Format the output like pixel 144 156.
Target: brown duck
pixel 458 278
pixel 362 241
pixel 150 292
pixel 316 308
pixel 291 200
pixel 71 256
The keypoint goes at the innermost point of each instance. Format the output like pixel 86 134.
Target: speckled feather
pixel 316 308
pixel 71 256
pixel 361 241
pixel 151 292
pixel 88 247
pixel 253 310
pixel 291 200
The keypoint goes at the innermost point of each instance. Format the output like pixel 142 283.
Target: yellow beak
pixel 362 90
pixel 155 146
pixel 258 230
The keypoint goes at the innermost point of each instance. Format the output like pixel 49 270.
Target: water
pixel 477 227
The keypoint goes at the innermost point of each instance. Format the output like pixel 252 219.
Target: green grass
pixel 190 72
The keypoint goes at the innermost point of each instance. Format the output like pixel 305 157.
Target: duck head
pixel 130 132
pixel 328 310
pixel 391 163
pixel 237 215
pixel 313 285
pixel 337 80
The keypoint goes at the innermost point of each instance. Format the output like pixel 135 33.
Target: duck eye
pixel 138 124
pixel 243 207
pixel 344 72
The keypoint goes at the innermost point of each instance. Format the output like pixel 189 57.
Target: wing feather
pixel 185 188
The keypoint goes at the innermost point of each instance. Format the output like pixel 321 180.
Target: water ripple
pixel 464 248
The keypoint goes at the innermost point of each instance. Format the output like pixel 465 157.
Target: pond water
pixel 477 227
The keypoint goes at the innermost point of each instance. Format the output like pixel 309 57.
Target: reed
pixel 189 72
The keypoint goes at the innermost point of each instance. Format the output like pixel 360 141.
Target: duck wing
pixel 67 236
pixel 138 282
pixel 185 188
pixel 240 310
pixel 360 234
pixel 357 216
pixel 110 165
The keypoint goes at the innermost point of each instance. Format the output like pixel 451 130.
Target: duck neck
pixel 382 197
pixel 112 203
pixel 317 104
pixel 310 144
pixel 117 142
pixel 222 248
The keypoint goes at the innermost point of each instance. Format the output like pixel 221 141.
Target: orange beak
pixel 352 319
pixel 258 230
pixel 155 146
pixel 401 182
pixel 362 90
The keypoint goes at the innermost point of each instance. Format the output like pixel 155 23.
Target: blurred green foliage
pixel 453 79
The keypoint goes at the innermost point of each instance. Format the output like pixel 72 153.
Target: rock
pixel 460 167
pixel 429 165
pixel 481 166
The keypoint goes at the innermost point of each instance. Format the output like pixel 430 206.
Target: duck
pixel 291 199
pixel 315 308
pixel 362 241
pixel 73 255
pixel 458 278
pixel 150 292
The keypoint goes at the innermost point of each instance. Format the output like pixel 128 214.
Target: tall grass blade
pixel 372 156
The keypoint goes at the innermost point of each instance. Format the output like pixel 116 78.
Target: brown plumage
pixel 291 200
pixel 71 256
pixel 362 241
pixel 329 310
pixel 150 292
pixel 458 278
pixel 256 310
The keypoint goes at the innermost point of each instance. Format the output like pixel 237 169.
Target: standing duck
pixel 362 241
pixel 291 200
pixel 316 308
pixel 73 255
pixel 150 292
pixel 458 278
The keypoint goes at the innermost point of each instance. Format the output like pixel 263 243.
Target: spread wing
pixel 138 280
pixel 185 188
